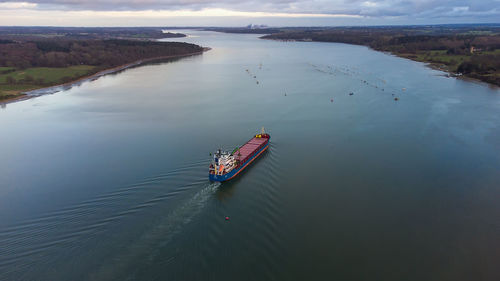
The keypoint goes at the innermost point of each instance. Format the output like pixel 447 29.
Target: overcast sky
pixel 243 12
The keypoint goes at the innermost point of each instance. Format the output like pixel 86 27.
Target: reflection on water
pixel 109 180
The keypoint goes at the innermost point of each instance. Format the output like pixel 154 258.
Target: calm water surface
pixel 108 180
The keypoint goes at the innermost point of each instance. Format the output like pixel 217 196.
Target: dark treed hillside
pixel 33 61
pixel 100 53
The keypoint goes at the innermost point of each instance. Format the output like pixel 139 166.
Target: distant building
pixel 475 50
pixel 256 26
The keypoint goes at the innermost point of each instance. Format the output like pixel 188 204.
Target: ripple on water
pixel 32 245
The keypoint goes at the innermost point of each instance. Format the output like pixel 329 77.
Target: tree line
pixel 100 53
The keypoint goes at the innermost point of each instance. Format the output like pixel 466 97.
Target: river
pixel 108 180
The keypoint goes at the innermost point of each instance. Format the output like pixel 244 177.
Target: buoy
pixel 351 93
pixel 227 218
pixel 396 99
pixel 331 100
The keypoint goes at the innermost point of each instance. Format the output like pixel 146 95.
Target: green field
pixel 495 52
pixel 441 57
pixel 6 69
pixel 50 75
pixel 38 77
pixel 438 57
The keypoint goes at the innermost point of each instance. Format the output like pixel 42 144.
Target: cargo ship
pixel 226 166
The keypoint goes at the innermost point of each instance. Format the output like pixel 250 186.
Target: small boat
pixel 226 166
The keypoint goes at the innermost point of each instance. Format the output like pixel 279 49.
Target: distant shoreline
pixel 36 92
pixel 462 51
pixel 429 64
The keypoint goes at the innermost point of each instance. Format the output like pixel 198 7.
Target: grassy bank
pixel 15 81
pixel 13 92
pixel 455 64
pixel 28 64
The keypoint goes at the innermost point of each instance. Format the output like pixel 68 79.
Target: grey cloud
pixel 366 8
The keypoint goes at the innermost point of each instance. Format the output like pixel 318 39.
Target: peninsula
pixel 38 57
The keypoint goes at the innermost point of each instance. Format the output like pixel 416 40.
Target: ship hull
pixel 233 173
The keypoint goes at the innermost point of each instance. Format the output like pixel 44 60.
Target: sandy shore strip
pixel 65 86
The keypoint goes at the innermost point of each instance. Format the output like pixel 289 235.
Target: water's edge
pixel 68 85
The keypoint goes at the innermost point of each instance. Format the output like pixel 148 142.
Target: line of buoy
pixel 346 71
